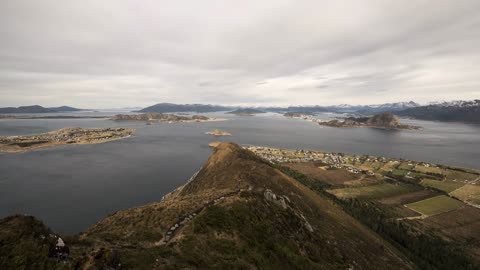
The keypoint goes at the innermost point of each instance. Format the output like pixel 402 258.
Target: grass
pixel 436 205
pixel 424 169
pixel 399 172
pixel 461 176
pixel 405 166
pixel 469 193
pixel 373 191
pixel 447 186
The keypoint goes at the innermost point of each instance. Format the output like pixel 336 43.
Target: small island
pixel 383 120
pixel 246 112
pixel 163 117
pixel 218 132
pixel 14 144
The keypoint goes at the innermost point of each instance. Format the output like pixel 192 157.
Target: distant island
pixel 163 117
pixel 218 132
pixel 383 120
pixel 298 114
pixel 38 109
pixel 461 111
pixel 246 112
pixel 172 108
pixel 13 144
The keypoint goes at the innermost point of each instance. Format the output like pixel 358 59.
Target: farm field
pixel 461 176
pixel 424 169
pixel 436 205
pixel 408 197
pixel 447 186
pixel 332 177
pixel 468 193
pixel 373 191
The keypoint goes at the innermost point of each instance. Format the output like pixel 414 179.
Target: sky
pixel 114 53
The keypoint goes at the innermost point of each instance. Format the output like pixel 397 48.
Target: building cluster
pixel 281 156
pixel 71 135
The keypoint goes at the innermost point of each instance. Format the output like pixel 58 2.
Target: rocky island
pixel 218 132
pixel 163 117
pixel 383 120
pixel 13 144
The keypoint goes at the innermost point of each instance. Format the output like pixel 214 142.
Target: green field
pixel 424 169
pixel 436 205
pixel 459 175
pixel 399 172
pixel 447 186
pixel 405 166
pixel 373 191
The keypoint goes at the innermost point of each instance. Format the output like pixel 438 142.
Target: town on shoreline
pixel 14 144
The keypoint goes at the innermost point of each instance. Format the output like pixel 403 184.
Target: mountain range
pixel 458 111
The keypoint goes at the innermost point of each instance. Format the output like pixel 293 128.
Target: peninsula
pixel 13 144
pixel 163 117
pixel 292 209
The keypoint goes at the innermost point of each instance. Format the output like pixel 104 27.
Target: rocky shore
pixel 13 144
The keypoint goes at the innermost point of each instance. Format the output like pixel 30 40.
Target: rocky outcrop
pixel 383 120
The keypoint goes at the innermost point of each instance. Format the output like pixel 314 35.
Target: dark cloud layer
pixel 129 53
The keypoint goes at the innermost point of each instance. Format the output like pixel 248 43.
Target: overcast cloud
pixel 104 54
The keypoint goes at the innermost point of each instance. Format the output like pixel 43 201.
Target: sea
pixel 71 187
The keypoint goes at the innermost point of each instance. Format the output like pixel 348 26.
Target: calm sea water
pixel 72 187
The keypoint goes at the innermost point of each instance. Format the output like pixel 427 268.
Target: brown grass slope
pixel 245 229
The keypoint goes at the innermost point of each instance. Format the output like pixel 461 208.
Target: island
pixel 383 120
pixel 163 117
pixel 246 112
pixel 14 144
pixel 218 132
pixel 39 109
pixel 298 114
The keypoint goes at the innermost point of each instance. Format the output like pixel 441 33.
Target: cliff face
pixel 236 212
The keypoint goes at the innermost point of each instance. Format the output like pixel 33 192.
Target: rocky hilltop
pixel 237 212
pixel 383 120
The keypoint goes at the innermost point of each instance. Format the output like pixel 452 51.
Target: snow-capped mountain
pixel 456 103
pixel 460 111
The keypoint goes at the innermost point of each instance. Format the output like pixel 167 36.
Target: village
pixel 356 164
pixel 11 144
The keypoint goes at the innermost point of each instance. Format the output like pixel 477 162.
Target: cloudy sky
pixel 110 54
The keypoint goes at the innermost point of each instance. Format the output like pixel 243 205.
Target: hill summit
pixel 237 212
